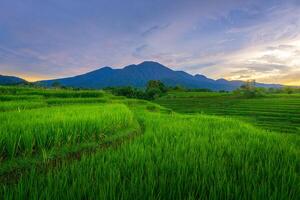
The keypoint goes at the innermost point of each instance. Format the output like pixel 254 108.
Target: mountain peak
pixel 10 80
pixel 150 63
pixel 106 68
pixel 148 66
pixel 200 76
pixel 222 80
pixel 153 65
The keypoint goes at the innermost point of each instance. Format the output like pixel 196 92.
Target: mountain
pixel 139 75
pixel 10 80
pixel 231 85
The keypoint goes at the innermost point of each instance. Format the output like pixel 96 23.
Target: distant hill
pixel 139 75
pixel 10 80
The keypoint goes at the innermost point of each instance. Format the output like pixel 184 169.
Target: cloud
pixel 154 29
pixel 281 47
pixel 265 67
pixel 140 51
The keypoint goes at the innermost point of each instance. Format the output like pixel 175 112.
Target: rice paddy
pixel 279 113
pixel 174 156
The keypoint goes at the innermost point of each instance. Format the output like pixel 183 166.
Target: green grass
pixel 27 132
pixel 58 93
pixel 63 101
pixel 195 94
pixel 279 113
pixel 67 144
pixel 178 157
pixel 20 105
pixel 24 98
pixel 4 97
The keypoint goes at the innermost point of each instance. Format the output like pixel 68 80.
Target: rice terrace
pixel 150 130
pixel 62 143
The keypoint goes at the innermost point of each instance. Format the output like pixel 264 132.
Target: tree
pixel 156 84
pixel 124 91
pixel 249 85
pixel 179 88
pixel 153 93
pixel 288 90
pixel 155 88
pixel 249 90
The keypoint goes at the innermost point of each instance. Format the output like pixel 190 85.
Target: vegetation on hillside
pixel 249 90
pixel 154 89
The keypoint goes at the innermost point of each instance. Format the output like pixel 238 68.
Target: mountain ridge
pixel 10 80
pixel 138 76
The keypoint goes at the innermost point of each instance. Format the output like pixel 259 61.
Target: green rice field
pixel 89 144
pixel 279 113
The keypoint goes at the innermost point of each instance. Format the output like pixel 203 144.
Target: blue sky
pixel 234 39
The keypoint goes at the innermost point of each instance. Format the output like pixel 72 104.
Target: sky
pixel 232 39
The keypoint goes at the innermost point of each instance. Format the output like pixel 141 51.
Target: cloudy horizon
pixel 233 39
